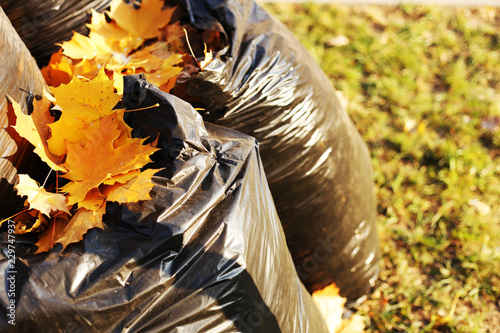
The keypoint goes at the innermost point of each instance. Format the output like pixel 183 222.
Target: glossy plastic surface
pixel 267 85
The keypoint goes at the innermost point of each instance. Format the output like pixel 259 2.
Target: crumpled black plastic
pixel 42 23
pixel 267 85
pixel 207 253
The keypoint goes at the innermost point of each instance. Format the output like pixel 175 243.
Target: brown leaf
pixel 46 239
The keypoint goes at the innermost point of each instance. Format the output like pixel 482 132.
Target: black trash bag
pixel 20 79
pixel 42 23
pixel 265 84
pixel 207 253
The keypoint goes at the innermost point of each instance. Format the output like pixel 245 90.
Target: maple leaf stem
pixel 147 107
pixel 190 49
pixel 54 220
pixel 8 218
pixel 47 178
pixel 53 234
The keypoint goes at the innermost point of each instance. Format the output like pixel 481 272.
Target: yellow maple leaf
pixel 81 103
pixel 83 47
pixel 145 21
pixel 165 72
pixel 99 50
pixel 116 37
pixel 39 198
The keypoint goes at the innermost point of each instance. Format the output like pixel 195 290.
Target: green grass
pixel 422 85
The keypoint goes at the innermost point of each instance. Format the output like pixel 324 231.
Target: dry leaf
pixel 30 221
pixel 100 136
pixel 80 224
pixel 134 190
pixel 58 71
pixel 39 198
pixel 331 305
pixel 32 128
pixel 116 37
pixel 81 103
pixel 46 238
pixel 208 58
pixel 145 21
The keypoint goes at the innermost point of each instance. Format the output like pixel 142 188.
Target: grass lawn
pixel 422 85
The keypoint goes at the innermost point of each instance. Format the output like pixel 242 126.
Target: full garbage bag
pixel 264 83
pixel 206 254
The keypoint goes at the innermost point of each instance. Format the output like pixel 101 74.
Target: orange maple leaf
pixel 80 224
pixel 58 71
pixel 34 128
pixel 65 231
pixel 136 189
pixel 46 238
pixel 85 173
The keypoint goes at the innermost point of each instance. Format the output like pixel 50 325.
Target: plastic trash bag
pixel 42 23
pixel 206 254
pixel 265 84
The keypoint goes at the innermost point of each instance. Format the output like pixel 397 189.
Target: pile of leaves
pixel 76 129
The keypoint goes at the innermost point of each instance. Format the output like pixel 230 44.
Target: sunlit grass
pixel 422 85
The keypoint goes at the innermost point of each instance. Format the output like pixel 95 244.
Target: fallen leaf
pixel 30 221
pixel 144 20
pixel 116 37
pixel 337 41
pixel 81 103
pixel 482 208
pixel 208 58
pixel 136 189
pixel 46 239
pixel 39 198
pixel 26 127
pixel 83 47
pixel 58 71
pixel 100 136
pixel 331 305
pixel 80 224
